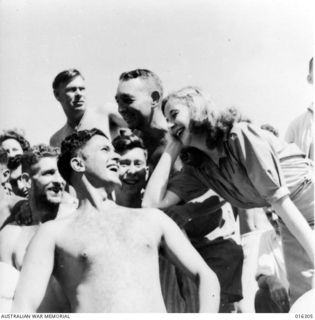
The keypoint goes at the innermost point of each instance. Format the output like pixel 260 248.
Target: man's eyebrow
pixel 123 95
pixel 48 171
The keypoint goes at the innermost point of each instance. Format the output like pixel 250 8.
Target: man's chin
pixel 56 200
pixel 131 187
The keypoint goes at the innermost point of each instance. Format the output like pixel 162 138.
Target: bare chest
pixel 105 244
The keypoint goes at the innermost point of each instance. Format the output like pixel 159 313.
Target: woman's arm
pixel 156 194
pixel 296 223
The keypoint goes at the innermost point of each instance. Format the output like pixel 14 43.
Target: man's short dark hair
pixel 4 158
pixel 144 74
pixel 127 141
pixel 65 76
pixel 13 134
pixel 35 154
pixel 70 147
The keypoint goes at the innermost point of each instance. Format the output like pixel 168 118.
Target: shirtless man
pixel 106 256
pixel 69 89
pixel 43 204
pixel 139 96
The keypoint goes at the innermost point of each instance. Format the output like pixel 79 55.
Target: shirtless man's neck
pixel 90 195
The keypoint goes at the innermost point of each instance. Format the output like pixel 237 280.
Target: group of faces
pixel 103 166
pixel 136 99
pixel 97 159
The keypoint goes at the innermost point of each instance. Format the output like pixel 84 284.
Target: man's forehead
pixel 77 80
pixel 45 163
pixel 98 140
pixel 10 142
pixel 15 174
pixel 134 153
pixel 132 85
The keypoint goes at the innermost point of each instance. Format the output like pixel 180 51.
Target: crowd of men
pixel 81 232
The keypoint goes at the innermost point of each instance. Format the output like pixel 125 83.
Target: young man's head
pixel 15 144
pixel 69 90
pixel 89 153
pixel 4 171
pixel 39 166
pixel 139 92
pixel 133 169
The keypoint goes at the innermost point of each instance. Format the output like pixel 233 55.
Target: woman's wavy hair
pixel 204 120
pixel 17 135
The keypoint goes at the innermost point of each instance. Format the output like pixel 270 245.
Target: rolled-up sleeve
pixel 259 158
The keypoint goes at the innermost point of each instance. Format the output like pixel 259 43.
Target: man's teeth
pixel 179 132
pixel 113 168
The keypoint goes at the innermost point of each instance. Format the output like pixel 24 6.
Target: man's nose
pixel 115 156
pixel 170 125
pixel 11 153
pixel 78 92
pixel 57 179
pixel 132 168
pixel 122 108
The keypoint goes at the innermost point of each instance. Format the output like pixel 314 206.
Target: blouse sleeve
pixel 259 158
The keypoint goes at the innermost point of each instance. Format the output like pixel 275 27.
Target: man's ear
pixel 147 172
pixel 155 95
pixel 6 175
pixel 77 164
pixel 56 94
pixel 26 179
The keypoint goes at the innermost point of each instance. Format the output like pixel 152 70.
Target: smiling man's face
pixel 47 183
pixel 133 170
pixel 101 162
pixel 135 102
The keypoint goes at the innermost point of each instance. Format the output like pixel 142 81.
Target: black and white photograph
pixel 156 156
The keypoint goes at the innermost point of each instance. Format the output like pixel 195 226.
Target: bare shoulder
pixel 154 216
pixel 8 206
pixel 9 234
pixel 54 227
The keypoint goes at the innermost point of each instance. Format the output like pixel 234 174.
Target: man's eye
pixel 173 114
pixel 124 163
pixel 105 148
pixel 48 173
pixel 127 100
pixel 139 164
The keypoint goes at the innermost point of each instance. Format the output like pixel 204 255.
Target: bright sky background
pixel 252 54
